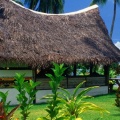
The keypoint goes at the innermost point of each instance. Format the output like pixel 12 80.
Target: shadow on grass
pixel 110 95
pixel 116 114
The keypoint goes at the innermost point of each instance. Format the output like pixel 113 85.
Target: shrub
pixel 74 104
pixel 63 105
pixel 26 94
pixel 53 107
pixel 4 114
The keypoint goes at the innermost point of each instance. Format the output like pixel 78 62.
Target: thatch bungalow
pixel 37 39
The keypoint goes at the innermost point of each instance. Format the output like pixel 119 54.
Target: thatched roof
pixel 36 38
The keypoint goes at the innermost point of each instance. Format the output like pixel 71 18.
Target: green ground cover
pixel 106 101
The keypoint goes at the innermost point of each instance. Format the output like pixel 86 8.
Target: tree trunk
pixel 113 19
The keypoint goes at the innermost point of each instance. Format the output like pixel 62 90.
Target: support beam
pixel 34 79
pixel 91 67
pixel 74 70
pixel 106 74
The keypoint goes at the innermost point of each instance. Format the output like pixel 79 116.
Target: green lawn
pixel 105 101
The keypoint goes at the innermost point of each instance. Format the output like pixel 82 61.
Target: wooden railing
pixel 72 82
pixel 9 81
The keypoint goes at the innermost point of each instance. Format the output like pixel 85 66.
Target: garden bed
pixel 105 101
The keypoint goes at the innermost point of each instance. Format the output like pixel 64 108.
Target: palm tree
pixel 18 1
pixel 31 3
pixel 114 11
pixel 47 6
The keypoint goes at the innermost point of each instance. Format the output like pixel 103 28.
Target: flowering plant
pixel 112 82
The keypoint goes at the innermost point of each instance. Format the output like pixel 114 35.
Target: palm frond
pixel 100 2
pixel 77 88
pixel 83 92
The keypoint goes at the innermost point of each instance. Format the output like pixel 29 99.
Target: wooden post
pixel 106 74
pixel 118 94
pixel 34 79
pixel 74 70
pixel 91 67
pixel 67 80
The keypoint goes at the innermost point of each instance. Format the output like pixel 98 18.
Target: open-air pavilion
pixel 37 39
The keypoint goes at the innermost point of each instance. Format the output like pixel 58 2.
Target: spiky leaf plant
pixel 74 104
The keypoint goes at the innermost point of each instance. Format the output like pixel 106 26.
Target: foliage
pixel 117 100
pixel 116 68
pixel 82 69
pixel 115 3
pixel 112 82
pixel 98 1
pixel 99 69
pixel 4 105
pixel 69 70
pixel 19 2
pixel 105 101
pixel 26 94
pixel 73 104
pixel 47 6
pixel 53 108
pixel 112 70
pixel 112 73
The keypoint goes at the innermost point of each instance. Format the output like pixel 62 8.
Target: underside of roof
pixel 36 38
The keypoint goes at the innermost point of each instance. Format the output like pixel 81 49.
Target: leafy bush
pixel 73 104
pixel 4 114
pixel 64 105
pixel 53 107
pixel 26 94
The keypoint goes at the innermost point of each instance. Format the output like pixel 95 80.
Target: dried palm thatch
pixel 38 39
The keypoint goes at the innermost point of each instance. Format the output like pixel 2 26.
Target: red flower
pixel 2 116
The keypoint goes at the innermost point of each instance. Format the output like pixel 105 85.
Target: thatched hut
pixel 37 39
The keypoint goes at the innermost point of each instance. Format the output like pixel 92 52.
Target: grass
pixel 106 101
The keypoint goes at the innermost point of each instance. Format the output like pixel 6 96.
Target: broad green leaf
pixel 51 83
pixel 78 119
pixel 43 118
pixel 20 78
pixel 61 78
pixel 77 88
pixel 61 118
pixel 83 92
pixel 3 96
pixel 50 76
pixel 67 93
pixel 35 84
pixel 90 106
pixel 47 96
pixel 72 117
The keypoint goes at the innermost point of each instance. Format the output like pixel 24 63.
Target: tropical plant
pixel 64 105
pixel 115 67
pixel 74 104
pixel 82 69
pixel 4 105
pixel 118 69
pixel 26 94
pixel 53 107
pixel 47 6
pixel 112 73
pixel 117 100
pixel 100 69
pixel 114 11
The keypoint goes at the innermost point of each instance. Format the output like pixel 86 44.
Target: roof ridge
pixel 70 13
